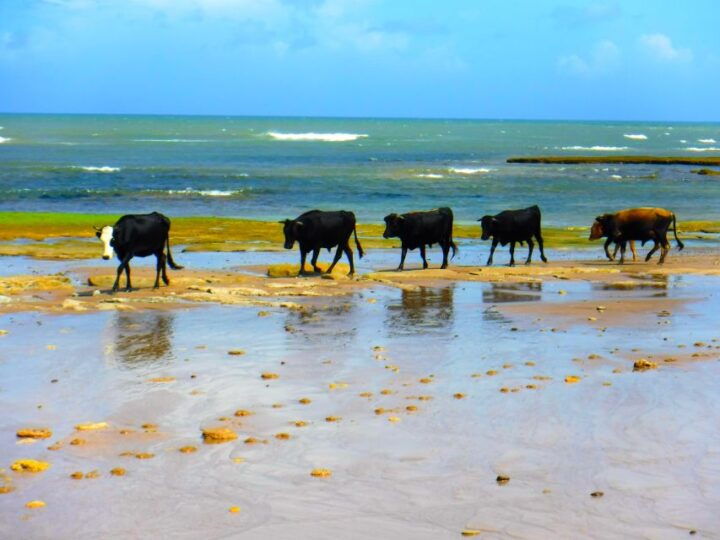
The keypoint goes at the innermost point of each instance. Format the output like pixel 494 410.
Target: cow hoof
pixel 443 267
pixel 128 289
pixel 544 259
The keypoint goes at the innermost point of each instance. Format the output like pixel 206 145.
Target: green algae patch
pixel 20 284
pixel 72 236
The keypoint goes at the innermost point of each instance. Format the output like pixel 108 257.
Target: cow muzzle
pixel 106 257
pixel 289 245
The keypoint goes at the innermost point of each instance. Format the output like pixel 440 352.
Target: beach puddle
pixel 432 411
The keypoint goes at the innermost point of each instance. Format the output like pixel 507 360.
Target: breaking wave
pixel 707 141
pixel 635 136
pixel 310 136
pixel 198 192
pixel 596 148
pixel 5 139
pixel 469 170
pixel 104 169
pixel 429 175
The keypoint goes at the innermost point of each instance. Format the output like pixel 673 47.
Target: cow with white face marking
pixel 138 235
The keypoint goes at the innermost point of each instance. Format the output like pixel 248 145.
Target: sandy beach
pixel 494 401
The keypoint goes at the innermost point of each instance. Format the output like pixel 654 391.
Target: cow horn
pixel 300 223
pixel 98 229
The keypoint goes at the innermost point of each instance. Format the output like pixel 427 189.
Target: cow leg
pixel 128 286
pixel 655 247
pixel 159 267
pixel 422 254
pixel 349 255
pixel 303 256
pixel 336 258
pixel 492 251
pixel 531 246
pixel 164 270
pixel 607 252
pixel 539 237
pixel 632 248
pixel 445 249
pixel 403 253
pixel 664 251
pixel 512 253
pixel 623 245
pixel 313 261
pixel 123 264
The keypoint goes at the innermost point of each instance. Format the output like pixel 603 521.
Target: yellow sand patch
pixel 337 385
pixel 571 379
pixel 321 473
pixel 234 509
pixel 333 418
pixel 218 435
pixel 236 352
pixel 91 426
pixel 187 449
pixel 243 412
pixel 117 471
pixel 29 465
pixel 162 380
pixel 643 365
pixel 305 401
pixel 470 532
pixel 282 436
pixel 34 433
pixel 269 376
pixel 35 504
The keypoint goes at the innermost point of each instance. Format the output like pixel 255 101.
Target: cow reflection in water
pixel 429 308
pixel 498 293
pixel 143 337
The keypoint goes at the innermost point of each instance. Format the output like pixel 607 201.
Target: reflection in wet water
pixel 143 337
pixel 498 293
pixel 429 308
pixel 337 319
pixel 656 282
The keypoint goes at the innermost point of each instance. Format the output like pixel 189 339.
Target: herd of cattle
pixel 142 235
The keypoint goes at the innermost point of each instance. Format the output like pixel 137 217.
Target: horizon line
pixel 350 117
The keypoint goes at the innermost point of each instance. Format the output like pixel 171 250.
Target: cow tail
pixel 454 248
pixel 170 260
pixel 357 243
pixel 679 242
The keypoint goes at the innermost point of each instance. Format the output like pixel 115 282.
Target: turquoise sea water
pixel 271 168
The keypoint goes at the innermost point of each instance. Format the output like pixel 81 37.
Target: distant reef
pixel 650 160
pixel 706 172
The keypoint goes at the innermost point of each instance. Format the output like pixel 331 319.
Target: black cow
pixel 316 229
pixel 511 227
pixel 138 235
pixel 420 229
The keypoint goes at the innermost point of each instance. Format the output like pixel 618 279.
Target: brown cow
pixel 640 224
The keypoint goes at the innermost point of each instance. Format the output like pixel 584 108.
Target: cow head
pixel 600 227
pixel 105 234
pixel 393 225
pixel 291 229
pixel 488 226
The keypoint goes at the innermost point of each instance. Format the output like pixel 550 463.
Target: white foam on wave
pixel 702 149
pixel 469 170
pixel 596 148
pixel 5 139
pixel 429 175
pixel 616 177
pixel 311 136
pixel 707 141
pixel 635 136
pixel 103 169
pixel 202 192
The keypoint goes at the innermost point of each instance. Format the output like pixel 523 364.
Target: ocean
pixel 273 168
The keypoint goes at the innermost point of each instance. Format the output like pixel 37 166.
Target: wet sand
pixel 435 383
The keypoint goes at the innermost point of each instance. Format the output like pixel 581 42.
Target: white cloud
pixel 603 58
pixel 661 48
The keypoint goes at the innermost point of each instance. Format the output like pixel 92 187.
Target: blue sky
pixel 596 59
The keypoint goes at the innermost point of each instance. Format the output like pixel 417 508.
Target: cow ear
pixel 97 233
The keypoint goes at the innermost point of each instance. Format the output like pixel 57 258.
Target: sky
pixel 515 59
